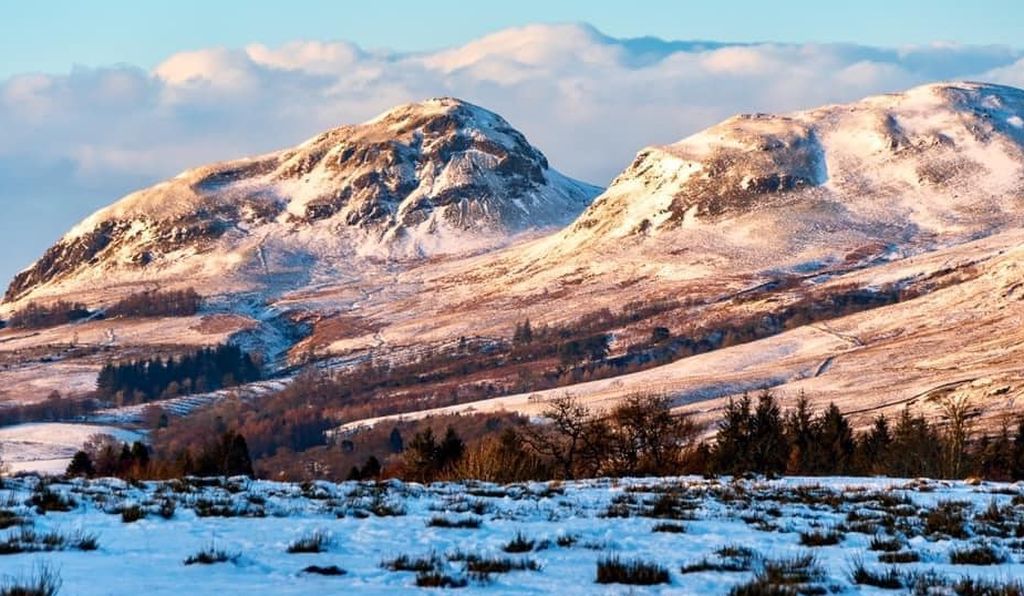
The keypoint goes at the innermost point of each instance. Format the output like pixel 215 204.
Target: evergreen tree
pixel 800 434
pixel 873 447
pixel 140 454
pixel 81 465
pixel 768 448
pixel 916 448
pixel 835 443
pixel 236 456
pixel 450 450
pixel 420 454
pixel 395 441
pixel 731 452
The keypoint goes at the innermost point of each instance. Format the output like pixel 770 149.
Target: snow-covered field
pixel 47 447
pixel 564 530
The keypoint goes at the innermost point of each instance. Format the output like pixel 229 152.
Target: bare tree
pixel 957 413
pixel 566 435
pixel 647 438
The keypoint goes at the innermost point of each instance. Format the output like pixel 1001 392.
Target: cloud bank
pixel 587 100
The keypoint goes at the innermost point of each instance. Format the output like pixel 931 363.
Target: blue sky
pixel 101 98
pixel 52 36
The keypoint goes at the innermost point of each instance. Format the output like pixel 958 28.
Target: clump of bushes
pixel 45 581
pixel 37 316
pixel 418 564
pixel 947 519
pixel 466 523
pixel 979 554
pixel 519 544
pixel 821 538
pixel 783 576
pixel 731 558
pixel 485 565
pixel 884 544
pixel 438 579
pixel 44 499
pixel 210 555
pixel 907 556
pixel 889 578
pixel 27 540
pixel 132 514
pixel 315 542
pixel 612 570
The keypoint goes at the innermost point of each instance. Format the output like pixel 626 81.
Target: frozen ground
pixel 48 447
pixel 566 529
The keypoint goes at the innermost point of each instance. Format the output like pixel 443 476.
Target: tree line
pixel 641 436
pixel 38 316
pixel 169 303
pixel 206 369
pixel 103 456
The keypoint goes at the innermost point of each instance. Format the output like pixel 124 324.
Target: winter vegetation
pixel 166 303
pixel 739 535
pixel 35 315
pixel 208 369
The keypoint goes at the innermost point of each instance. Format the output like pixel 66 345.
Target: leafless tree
pixel 958 413
pixel 646 437
pixel 566 435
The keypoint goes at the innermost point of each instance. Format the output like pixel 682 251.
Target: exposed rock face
pixel 436 177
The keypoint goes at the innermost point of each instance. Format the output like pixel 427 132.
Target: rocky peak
pixel 438 176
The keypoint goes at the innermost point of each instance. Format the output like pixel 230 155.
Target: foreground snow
pixel 572 525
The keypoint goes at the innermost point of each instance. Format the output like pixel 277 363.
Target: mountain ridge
pixel 434 177
pixel 951 147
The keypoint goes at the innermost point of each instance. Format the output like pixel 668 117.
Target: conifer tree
pixel 81 465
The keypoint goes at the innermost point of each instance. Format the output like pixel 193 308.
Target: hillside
pixel 438 177
pixel 865 253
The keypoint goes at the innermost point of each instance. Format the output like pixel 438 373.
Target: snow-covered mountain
pixel 942 160
pixel 438 177
pixel 921 190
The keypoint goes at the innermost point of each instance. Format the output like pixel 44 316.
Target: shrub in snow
pixel 443 522
pixel 45 581
pixel 437 579
pixel 613 570
pixel 889 578
pixel 210 555
pixel 132 513
pixel 979 554
pixel 519 544
pixel 407 563
pixel 316 542
pixel 907 556
pixel 821 538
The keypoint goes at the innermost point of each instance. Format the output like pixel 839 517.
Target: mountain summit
pixel 436 177
pixel 938 160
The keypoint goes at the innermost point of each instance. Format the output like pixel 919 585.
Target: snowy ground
pixel 571 526
pixel 181 406
pixel 48 447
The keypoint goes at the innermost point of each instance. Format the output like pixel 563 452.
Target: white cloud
pixel 1011 74
pixel 587 100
